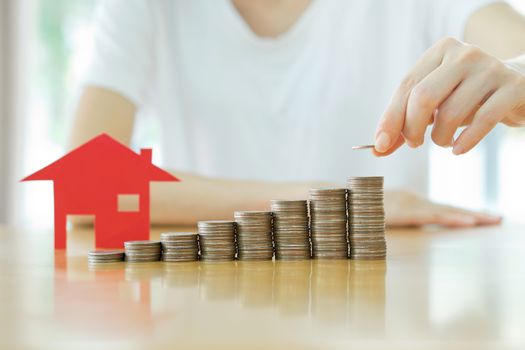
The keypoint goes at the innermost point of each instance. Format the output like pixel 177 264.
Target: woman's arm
pixel 195 197
pixel 101 110
pixel 198 197
pixel 498 30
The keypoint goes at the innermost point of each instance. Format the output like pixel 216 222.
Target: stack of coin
pixel 290 229
pixel 328 223
pixel 367 218
pixel 217 240
pixel 254 235
pixel 179 246
pixel 105 256
pixel 142 251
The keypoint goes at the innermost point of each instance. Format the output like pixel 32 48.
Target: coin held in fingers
pixel 363 147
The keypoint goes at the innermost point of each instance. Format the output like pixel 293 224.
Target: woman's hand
pixel 453 85
pixel 407 209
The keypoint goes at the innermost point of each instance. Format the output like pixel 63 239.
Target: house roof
pixel 100 156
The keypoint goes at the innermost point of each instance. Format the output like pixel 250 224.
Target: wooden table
pixel 438 289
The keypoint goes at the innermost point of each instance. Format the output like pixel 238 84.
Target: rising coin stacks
pixel 367 218
pixel 254 235
pixel 217 240
pixel 142 251
pixel 290 228
pixel 328 223
pixel 179 246
pixel 105 256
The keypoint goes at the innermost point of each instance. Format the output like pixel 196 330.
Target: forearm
pixel 100 110
pixel 195 197
pixel 498 29
pixel 203 198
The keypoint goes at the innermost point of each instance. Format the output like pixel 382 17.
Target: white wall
pixel 19 19
pixel 4 98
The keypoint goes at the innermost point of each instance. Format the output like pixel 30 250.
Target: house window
pixel 128 202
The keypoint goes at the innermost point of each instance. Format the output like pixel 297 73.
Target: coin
pixel 363 147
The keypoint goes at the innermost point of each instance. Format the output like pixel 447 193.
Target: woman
pixel 262 99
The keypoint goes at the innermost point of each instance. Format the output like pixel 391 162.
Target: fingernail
pixel 458 149
pixel 382 142
pixel 413 144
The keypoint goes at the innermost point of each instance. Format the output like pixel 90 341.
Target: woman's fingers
pixel 453 84
pixel 451 216
pixel 393 120
pixel 487 219
pixel 458 108
pixel 425 98
pixel 485 119
pixel 406 209
pixel 450 219
pixel 447 217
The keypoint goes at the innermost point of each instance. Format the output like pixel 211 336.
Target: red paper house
pixel 92 180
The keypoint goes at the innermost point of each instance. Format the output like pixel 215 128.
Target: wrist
pixel 517 118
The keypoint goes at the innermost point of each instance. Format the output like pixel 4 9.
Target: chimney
pixel 146 154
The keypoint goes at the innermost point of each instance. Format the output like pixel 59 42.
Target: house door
pixel 80 233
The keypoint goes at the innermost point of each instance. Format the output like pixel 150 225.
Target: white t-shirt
pixel 232 104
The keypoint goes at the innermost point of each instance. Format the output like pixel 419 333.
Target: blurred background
pixel 45 46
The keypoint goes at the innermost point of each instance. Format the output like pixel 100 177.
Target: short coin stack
pixel 254 235
pixel 105 256
pixel 179 246
pixel 367 218
pixel 217 240
pixel 142 251
pixel 291 234
pixel 328 223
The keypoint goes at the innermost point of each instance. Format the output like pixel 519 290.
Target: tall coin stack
pixel 179 246
pixel 142 251
pixel 291 234
pixel 328 223
pixel 367 218
pixel 254 235
pixel 217 240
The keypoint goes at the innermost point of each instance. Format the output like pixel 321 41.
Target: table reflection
pixel 291 287
pixel 367 297
pixel 459 288
pixel 255 280
pixel 106 299
pixel 330 291
pixel 116 298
